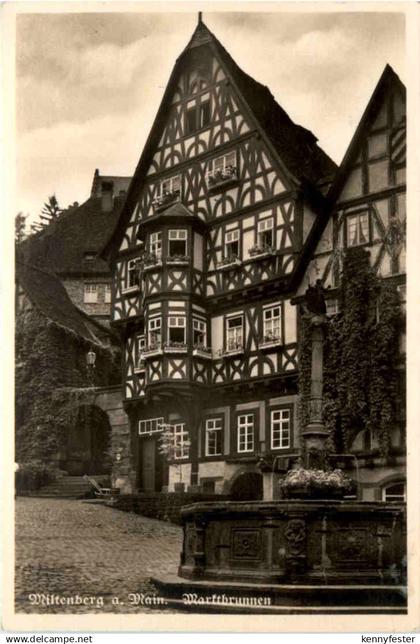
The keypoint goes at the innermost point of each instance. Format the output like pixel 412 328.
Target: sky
pixel 88 85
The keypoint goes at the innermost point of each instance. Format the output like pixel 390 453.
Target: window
pixel 394 492
pixel 246 433
pixel 133 278
pixel 357 229
pixel 155 245
pixel 176 329
pixel 232 243
pixel 199 333
pixel 150 426
pixel 89 256
pixel 280 428
pixel 140 346
pixel 178 243
pixel 272 323
pixel 234 333
pixel 181 442
pixel 214 437
pixel 155 332
pixel 222 169
pixel 266 233
pixel 170 186
pixel 107 293
pixel 90 295
pixel 332 307
pixel 197 116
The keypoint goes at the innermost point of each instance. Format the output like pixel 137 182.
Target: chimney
pixel 107 193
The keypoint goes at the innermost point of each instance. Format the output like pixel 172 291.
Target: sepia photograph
pixel 210 312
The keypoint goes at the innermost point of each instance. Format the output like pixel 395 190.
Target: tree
pixel 20 224
pixel 51 210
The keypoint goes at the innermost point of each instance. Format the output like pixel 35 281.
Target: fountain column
pixel 315 435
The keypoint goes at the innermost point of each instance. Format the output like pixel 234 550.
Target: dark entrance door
pixel 148 463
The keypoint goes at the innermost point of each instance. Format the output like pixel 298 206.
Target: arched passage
pixel 248 486
pixel 88 442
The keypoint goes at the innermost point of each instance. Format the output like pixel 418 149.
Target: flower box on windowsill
pixel 235 350
pixel 178 260
pixel 269 342
pixel 203 352
pixel 151 262
pixel 175 347
pixel 151 351
pixel 165 200
pixel 229 262
pixel 220 178
pixel 258 252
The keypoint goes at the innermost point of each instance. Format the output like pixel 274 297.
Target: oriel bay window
pixel 139 349
pixel 280 428
pixel 177 244
pixel 214 436
pixel 234 333
pixel 176 331
pixel 245 433
pixel 358 229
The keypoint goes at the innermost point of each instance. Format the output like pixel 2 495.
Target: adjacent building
pixel 232 211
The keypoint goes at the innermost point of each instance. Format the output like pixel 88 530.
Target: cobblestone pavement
pixel 71 548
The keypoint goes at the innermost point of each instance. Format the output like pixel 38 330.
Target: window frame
pixel 270 307
pixel 176 326
pixel 150 420
pixel 197 106
pixel 107 291
pixel 152 320
pixel 220 433
pixel 245 425
pixel 261 229
pixel 397 499
pixel 200 321
pixel 140 339
pixel 177 239
pixel 227 243
pixel 128 288
pixel 279 409
pixel 155 245
pixel 91 287
pixel 229 318
pixel 184 435
pixel 357 214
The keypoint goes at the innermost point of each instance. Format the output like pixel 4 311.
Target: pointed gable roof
pixel 296 147
pixel 388 81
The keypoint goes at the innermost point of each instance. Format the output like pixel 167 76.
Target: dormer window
pixel 222 170
pixel 177 244
pixel 168 191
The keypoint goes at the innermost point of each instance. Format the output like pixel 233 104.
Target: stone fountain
pixel 291 555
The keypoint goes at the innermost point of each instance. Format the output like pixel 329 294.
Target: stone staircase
pixel 71 487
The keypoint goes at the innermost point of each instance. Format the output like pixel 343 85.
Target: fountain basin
pixel 319 542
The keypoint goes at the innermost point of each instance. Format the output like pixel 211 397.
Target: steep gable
pixel 240 104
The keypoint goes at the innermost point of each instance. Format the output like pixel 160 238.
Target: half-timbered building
pixel 215 240
pixel 368 210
